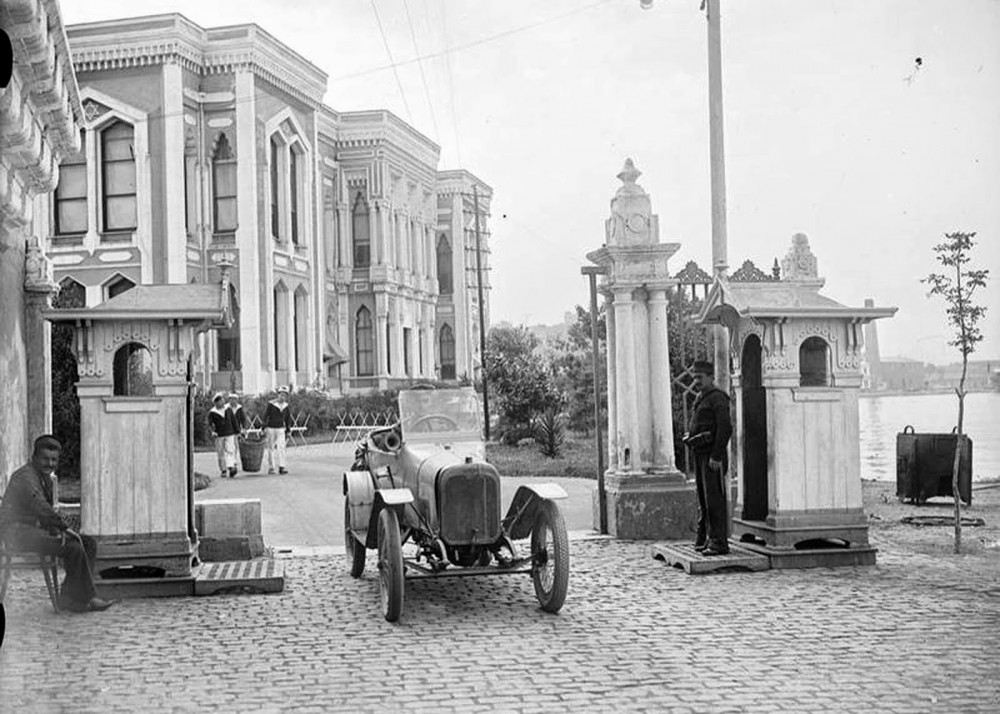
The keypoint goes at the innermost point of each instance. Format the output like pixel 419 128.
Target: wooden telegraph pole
pixel 482 322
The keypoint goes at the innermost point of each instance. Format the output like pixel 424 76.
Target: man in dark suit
pixel 708 438
pixel 29 522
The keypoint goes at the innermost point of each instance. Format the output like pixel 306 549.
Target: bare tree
pixel 957 287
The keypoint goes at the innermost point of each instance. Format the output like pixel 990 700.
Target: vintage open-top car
pixel 423 484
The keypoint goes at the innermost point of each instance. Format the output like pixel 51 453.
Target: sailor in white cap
pixel 278 420
pixel 223 428
pixel 238 419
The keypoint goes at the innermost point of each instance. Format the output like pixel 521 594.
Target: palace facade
pixel 354 256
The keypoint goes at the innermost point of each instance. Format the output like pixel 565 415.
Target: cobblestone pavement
pixel 912 634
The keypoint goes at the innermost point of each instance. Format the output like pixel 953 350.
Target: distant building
pixel 354 256
pixel 902 374
pixel 871 360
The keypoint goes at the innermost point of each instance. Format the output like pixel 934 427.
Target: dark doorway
pixel 754 432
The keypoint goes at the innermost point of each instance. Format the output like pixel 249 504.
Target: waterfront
pixel 883 417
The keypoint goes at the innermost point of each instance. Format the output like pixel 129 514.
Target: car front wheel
pixel 390 565
pixel 549 557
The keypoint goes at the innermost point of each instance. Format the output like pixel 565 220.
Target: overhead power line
pixel 392 62
pixel 423 77
pixel 475 43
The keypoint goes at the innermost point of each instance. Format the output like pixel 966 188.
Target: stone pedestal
pixel 649 506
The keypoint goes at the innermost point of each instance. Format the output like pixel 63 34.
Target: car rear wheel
pixel 549 557
pixel 390 565
pixel 355 550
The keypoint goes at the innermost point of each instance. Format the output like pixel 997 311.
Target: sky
pixel 832 129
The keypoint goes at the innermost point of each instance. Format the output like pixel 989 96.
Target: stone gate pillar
pixel 647 497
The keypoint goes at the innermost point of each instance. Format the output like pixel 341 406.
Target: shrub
pixel 550 433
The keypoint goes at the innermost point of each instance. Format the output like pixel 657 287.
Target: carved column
pixel 625 380
pixel 39 287
pixel 659 357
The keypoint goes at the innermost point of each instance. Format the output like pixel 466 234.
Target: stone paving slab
pixel 910 634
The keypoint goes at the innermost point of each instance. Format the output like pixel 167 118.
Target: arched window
pixel 275 192
pixel 71 294
pixel 280 326
pixel 300 309
pixel 229 338
pixel 117 287
pixel 446 348
pixel 118 177
pixel 813 360
pixel 224 186
pixel 293 183
pixel 71 194
pixel 445 283
pixel 360 232
pixel 364 346
pixel 133 371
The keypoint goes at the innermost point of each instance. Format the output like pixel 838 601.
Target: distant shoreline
pixel 920 393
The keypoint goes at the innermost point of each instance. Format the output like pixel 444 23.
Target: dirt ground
pixel 886 513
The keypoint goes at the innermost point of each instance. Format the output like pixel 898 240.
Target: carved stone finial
pixel 38 275
pixel 632 221
pixel 800 263
pixel 629 173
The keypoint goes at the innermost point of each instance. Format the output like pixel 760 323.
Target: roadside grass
pixel 578 459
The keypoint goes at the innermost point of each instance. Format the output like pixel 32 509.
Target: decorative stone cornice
pixel 383 128
pixel 39 110
pixel 166 39
pixel 460 181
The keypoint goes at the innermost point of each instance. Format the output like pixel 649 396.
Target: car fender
pixel 521 513
pixel 385 498
pixel 359 490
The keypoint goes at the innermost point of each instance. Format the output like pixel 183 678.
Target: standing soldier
pixel 278 420
pixel 223 429
pixel 708 437
pixel 238 419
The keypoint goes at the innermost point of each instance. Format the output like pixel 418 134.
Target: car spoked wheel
pixel 549 557
pixel 390 565
pixel 355 550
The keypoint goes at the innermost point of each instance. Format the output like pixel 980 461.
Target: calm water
pixel 884 417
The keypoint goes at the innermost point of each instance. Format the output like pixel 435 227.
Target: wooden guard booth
pixel 134 355
pixel 797 369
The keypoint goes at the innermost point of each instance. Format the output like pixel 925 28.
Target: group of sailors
pixel 228 423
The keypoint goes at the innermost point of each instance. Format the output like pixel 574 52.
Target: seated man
pixel 28 522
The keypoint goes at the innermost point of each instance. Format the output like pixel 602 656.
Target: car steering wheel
pixel 427 423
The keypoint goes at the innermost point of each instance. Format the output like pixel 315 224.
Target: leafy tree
pixel 688 342
pixel 572 371
pixel 65 402
pixel 519 382
pixel 957 287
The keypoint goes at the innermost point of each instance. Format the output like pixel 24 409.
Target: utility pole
pixel 482 321
pixel 592 271
pixel 717 157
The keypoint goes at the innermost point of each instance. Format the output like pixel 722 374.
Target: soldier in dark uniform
pixel 30 523
pixel 708 438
